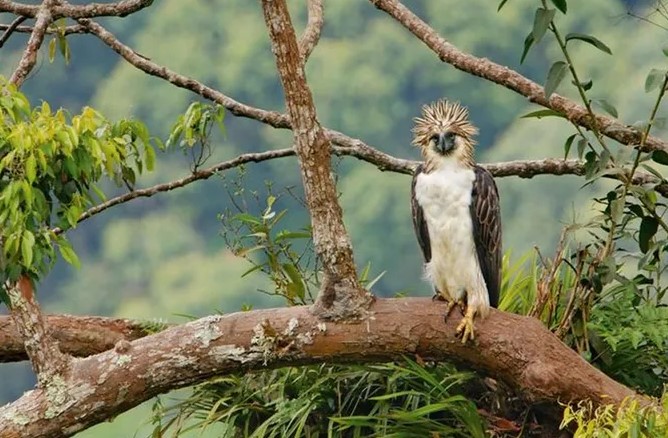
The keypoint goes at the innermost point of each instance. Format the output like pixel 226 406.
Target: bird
pixel 456 214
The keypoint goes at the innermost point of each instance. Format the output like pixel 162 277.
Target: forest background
pixel 165 257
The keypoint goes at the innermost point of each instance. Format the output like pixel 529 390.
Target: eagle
pixel 456 214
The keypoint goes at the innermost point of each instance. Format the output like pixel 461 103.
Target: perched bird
pixel 456 214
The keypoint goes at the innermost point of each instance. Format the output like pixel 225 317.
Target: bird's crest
pixel 444 116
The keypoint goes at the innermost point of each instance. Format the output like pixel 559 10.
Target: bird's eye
pixel 450 135
pixel 434 138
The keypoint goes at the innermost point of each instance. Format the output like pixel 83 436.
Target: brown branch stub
pixel 341 294
pixel 311 35
pixel 515 349
pixel 46 359
pixel 512 80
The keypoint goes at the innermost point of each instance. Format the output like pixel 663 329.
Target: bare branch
pixel 76 335
pixel 117 9
pixel 341 295
pixel 311 35
pixel 68 30
pixel 45 357
pixel 512 80
pixel 514 349
pixel 44 17
pixel 9 29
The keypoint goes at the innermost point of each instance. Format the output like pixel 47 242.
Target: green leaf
pixel 660 156
pixel 27 244
pixel 149 157
pixel 590 40
pixel 554 77
pixel 64 48
pixel 295 279
pixel 561 5
pixel 502 4
pixel 528 42
pixel 68 253
pixel 52 49
pixel 568 144
pixel 586 85
pixel 541 22
pixel 606 106
pixel 654 79
pixel 648 228
pixel 542 113
pixel 31 168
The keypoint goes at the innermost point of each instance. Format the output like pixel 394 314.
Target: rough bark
pixel 76 335
pixel 341 294
pixel 46 359
pixel 515 349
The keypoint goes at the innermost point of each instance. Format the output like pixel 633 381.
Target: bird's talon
pixel 465 327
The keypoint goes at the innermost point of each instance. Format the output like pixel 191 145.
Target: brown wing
pixel 419 224
pixel 486 217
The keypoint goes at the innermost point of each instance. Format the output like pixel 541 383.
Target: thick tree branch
pixel 341 294
pixel 76 335
pixel 512 80
pixel 46 359
pixel 44 17
pixel 517 350
pixel 311 34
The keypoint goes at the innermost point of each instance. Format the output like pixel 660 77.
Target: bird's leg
pixel 465 328
pixel 438 296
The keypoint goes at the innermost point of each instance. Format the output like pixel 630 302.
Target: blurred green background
pixel 164 257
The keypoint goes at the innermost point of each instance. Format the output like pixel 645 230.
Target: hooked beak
pixel 446 142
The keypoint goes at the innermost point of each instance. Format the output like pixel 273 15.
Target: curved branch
pixel 515 349
pixel 311 35
pixel 10 28
pixel 512 80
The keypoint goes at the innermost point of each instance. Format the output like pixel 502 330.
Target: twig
pixel 512 80
pixel 311 34
pixel 9 29
pixel 68 30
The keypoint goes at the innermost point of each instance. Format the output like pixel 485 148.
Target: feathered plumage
pixel 456 214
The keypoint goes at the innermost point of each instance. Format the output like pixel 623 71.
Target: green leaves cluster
pixel 50 165
pixel 630 420
pixel 403 399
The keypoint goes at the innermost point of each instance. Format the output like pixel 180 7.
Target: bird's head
pixel 444 133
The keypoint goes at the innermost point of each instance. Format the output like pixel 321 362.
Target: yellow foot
pixel 465 328
pixel 451 304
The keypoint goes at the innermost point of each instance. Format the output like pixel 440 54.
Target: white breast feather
pixel 445 197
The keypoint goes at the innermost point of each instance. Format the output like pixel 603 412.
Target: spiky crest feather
pixel 444 116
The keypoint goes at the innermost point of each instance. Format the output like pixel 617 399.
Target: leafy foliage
pixel 50 164
pixel 379 400
pixel 629 420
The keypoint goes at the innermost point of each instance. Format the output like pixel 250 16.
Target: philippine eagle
pixel 456 215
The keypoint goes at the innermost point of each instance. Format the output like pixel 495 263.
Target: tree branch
pixel 341 295
pixel 44 17
pixel 515 349
pixel 74 29
pixel 9 29
pixel 512 80
pixel 311 35
pixel 117 9
pixel 76 335
pixel 46 359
